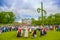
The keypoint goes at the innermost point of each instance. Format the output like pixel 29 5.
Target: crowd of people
pixel 8 28
pixel 32 29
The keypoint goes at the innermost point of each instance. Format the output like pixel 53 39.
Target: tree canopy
pixel 53 19
pixel 7 17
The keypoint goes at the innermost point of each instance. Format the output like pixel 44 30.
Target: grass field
pixel 51 35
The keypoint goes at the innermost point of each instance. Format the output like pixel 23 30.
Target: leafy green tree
pixel 53 19
pixel 33 22
pixel 7 17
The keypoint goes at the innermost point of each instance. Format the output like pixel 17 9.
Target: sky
pixel 28 8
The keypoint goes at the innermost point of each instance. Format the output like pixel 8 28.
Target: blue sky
pixel 27 8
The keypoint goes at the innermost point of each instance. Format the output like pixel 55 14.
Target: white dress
pixel 26 32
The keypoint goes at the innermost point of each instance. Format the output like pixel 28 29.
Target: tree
pixel 53 19
pixel 33 22
pixel 7 17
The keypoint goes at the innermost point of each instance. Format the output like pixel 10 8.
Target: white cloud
pixel 28 7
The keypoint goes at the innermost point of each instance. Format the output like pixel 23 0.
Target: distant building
pixel 26 21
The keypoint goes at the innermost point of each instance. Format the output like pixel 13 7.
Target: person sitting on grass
pixel 19 32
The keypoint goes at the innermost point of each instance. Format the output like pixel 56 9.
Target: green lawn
pixel 51 35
